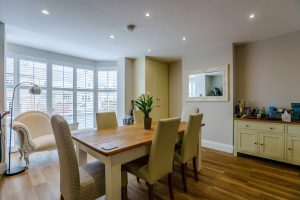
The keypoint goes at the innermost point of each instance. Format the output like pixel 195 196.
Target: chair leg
pixel 124 193
pixel 150 191
pixel 26 158
pixel 21 153
pixel 138 179
pixel 61 197
pixel 170 186
pixel 183 175
pixel 195 168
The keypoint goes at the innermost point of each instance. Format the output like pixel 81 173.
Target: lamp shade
pixel 35 90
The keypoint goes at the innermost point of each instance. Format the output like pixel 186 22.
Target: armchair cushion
pixel 44 142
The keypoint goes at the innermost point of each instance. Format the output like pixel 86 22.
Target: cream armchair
pixel 33 133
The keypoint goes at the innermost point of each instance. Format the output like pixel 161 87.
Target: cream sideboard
pixel 268 139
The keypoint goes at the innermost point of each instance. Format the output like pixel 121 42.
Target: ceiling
pixel 82 27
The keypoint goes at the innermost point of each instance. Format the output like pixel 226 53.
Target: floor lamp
pixel 35 90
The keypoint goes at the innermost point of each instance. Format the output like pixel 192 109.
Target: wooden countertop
pixel 266 120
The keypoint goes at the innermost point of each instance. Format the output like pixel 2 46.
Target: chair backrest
pixel 162 149
pixel 138 117
pixel 69 172
pixel 38 123
pixel 187 111
pixel 191 137
pixel 106 120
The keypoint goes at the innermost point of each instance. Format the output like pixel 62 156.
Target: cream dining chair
pixel 106 120
pixel 188 149
pixel 76 183
pixel 159 163
pixel 138 117
pixel 187 111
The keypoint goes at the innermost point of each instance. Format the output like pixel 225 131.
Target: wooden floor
pixel 222 177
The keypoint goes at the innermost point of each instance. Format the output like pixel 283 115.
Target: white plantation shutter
pixel 9 85
pixel 62 76
pixel 62 104
pixel 85 98
pixel 34 72
pixel 62 93
pixel 107 91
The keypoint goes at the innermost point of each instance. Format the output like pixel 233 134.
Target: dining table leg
pixel 112 181
pixel 81 155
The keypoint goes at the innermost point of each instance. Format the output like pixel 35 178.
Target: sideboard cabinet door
pixel 247 141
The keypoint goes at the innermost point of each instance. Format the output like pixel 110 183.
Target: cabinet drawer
pixel 248 125
pixel 293 130
pixel 271 127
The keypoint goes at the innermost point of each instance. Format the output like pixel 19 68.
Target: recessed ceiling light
pixel 149 50
pixel 252 16
pixel 45 12
pixel 111 36
pixel 147 14
pixel 183 38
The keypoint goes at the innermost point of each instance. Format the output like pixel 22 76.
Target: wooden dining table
pixel 131 142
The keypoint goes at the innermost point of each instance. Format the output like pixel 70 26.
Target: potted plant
pixel 144 104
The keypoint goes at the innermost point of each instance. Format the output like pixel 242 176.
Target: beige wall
pixel 175 89
pixel 268 72
pixel 218 116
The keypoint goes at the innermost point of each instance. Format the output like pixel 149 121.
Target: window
pixel 107 91
pixel 85 98
pixel 34 72
pixel 62 93
pixel 76 93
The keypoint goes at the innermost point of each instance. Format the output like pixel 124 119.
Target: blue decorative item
pixel 295 112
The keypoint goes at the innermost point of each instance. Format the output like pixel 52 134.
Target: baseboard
pixel 217 145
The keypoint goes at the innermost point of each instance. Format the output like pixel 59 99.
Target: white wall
pixel 2 62
pixel 48 55
pixel 218 116
pixel 268 72
pixel 175 89
pixel 2 83
pixel 125 87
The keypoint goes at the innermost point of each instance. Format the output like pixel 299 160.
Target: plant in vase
pixel 144 104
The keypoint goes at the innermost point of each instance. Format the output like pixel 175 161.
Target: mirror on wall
pixel 209 84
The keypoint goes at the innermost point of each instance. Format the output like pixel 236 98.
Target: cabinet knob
pixel 271 128
pixel 289 149
pixel 261 144
pixel 247 125
pixel 255 142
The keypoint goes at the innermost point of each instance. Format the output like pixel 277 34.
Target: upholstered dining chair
pixel 78 183
pixel 159 163
pixel 138 117
pixel 106 120
pixel 86 182
pixel 187 111
pixel 188 148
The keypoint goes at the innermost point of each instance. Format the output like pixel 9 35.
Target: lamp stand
pixel 17 170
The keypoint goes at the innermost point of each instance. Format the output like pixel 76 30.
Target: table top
pixel 123 137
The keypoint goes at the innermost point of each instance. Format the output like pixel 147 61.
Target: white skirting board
pixel 217 146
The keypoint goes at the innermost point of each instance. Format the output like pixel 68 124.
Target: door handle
pixel 289 149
